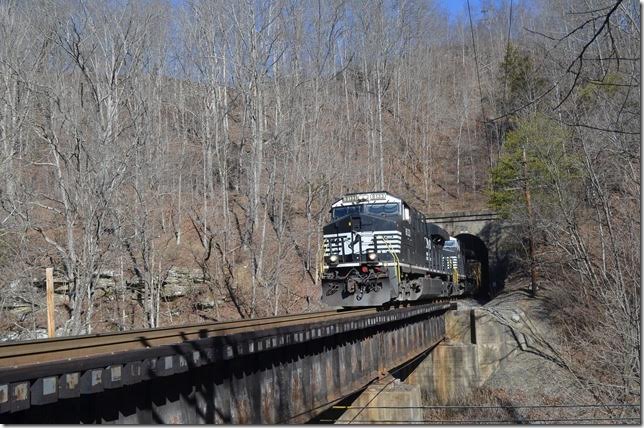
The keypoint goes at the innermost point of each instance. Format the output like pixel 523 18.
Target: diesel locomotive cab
pixel 378 249
pixel 361 242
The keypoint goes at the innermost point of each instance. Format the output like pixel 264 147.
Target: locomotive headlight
pixel 372 256
pixel 334 259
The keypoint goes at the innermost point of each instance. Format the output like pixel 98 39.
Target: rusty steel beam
pixel 286 374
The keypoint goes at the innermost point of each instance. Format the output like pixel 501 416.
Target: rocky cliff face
pixel 21 300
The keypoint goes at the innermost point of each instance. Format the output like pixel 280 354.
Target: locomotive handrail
pixel 394 256
pixel 321 269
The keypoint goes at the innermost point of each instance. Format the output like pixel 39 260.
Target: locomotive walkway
pixel 272 370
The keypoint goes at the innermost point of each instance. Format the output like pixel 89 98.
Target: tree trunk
pixel 531 246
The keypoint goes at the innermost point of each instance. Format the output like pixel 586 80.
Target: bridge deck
pixel 257 371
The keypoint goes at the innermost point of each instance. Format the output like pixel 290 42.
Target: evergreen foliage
pixel 548 164
pixel 520 79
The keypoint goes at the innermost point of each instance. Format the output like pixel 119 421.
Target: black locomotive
pixel 378 250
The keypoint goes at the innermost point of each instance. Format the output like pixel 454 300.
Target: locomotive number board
pixel 365 197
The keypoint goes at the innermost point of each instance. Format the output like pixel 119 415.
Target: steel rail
pixel 16 354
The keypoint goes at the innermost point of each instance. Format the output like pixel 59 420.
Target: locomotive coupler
pixel 351 285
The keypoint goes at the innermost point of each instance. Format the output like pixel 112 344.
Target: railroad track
pixel 16 354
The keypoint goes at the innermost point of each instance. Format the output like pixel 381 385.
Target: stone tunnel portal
pixel 483 232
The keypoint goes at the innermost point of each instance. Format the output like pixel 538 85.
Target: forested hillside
pixel 175 161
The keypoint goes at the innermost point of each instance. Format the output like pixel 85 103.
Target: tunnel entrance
pixel 476 248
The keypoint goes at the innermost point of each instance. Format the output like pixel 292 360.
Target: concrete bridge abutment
pixel 476 345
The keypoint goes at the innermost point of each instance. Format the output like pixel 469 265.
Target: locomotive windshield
pixel 384 210
pixel 451 244
pixel 340 212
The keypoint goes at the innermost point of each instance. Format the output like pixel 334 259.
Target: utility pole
pixel 51 321
pixel 528 203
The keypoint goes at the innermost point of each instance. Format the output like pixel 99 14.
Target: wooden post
pixel 51 322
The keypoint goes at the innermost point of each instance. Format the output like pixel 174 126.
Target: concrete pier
pixel 377 404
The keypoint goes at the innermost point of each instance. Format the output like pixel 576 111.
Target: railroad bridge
pixel 273 370
pixel 286 369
